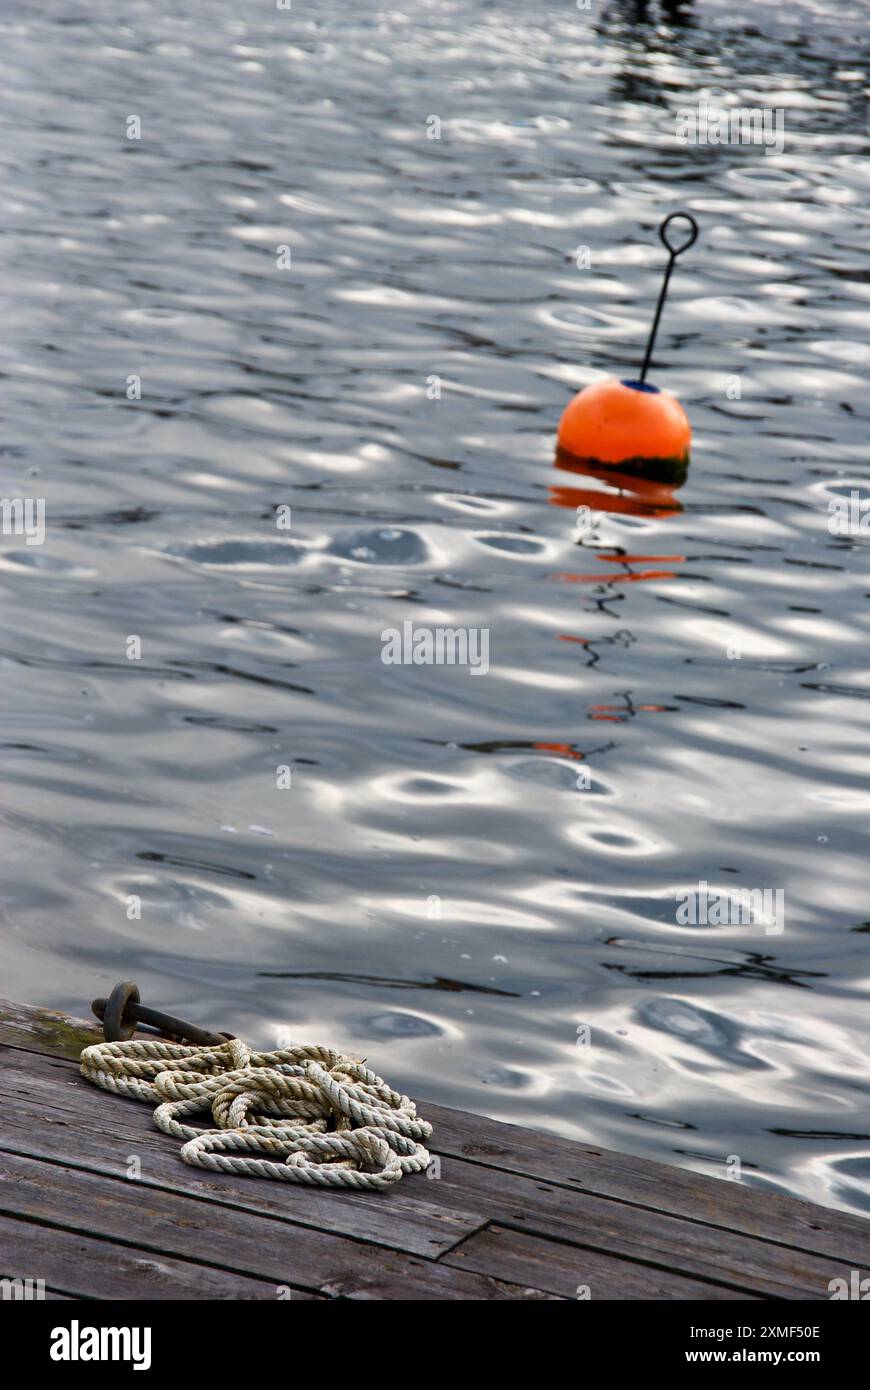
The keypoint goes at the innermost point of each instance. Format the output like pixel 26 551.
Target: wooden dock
pixel 514 1214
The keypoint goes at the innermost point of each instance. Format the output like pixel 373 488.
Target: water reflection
pixel 647 491
pixel 482 851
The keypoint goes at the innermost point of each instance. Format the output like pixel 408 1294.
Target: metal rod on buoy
pixel 631 422
pixel 675 251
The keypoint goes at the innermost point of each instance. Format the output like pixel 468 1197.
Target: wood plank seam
pixel 629 1258
pixel 114 1262
pixel 208 1200
pixel 576 1187
pixel 636 1261
pixel 145 1249
pixel 295 1220
pixel 64 1064
pixel 519 1212
pixel 326 1290
pixel 568 1187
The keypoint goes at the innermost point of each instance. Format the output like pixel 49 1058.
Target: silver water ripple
pixel 469 879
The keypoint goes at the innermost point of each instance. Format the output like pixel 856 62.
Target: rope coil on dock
pixel 333 1122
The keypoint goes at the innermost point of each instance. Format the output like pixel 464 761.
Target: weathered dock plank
pixel 537 1262
pixel 44 1030
pixel 622 1177
pixel 512 1215
pixel 157 1229
pixel 68 1123
pixel 85 1267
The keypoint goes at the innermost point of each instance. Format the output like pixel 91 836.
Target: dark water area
pixel 471 878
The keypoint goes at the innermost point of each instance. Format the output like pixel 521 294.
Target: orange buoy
pixel 631 422
pixel 625 421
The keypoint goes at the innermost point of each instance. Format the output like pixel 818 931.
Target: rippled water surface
pixel 439 889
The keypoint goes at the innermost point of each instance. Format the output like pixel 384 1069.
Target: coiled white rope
pixel 333 1122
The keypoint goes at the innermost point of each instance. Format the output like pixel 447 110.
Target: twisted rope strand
pixel 334 1122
